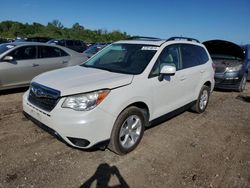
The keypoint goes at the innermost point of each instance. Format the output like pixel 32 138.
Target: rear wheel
pixel 128 130
pixel 243 83
pixel 202 101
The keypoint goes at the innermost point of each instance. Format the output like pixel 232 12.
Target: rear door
pixel 182 88
pixel 192 70
pixel 51 58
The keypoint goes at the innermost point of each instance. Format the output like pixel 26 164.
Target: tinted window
pixel 49 52
pixel 78 43
pixel 170 55
pixel 63 53
pixel 193 55
pixel 248 53
pixel 69 42
pixel 61 42
pixel 25 52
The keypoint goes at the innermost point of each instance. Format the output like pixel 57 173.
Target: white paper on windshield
pixel 149 48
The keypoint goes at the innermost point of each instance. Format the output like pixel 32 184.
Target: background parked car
pixel 93 49
pixel 3 41
pixel 38 39
pixel 230 63
pixel 20 62
pixel 247 53
pixel 76 45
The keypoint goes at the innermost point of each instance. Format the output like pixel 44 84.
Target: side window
pixel 193 55
pixel 49 52
pixel 63 53
pixel 78 43
pixel 69 42
pixel 201 54
pixel 170 55
pixel 61 42
pixel 25 52
pixel 248 53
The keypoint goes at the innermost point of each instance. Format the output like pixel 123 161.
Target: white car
pixel 119 91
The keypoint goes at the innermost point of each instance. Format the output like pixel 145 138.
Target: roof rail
pixel 181 38
pixel 143 38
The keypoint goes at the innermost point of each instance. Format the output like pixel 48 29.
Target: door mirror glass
pixel 167 70
pixel 8 58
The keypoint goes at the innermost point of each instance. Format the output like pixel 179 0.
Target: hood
pixel 77 79
pixel 221 47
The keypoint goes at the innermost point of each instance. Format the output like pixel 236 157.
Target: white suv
pixel 120 90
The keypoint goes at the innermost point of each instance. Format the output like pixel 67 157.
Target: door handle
pixel 183 78
pixel 35 65
pixel 202 71
pixel 65 62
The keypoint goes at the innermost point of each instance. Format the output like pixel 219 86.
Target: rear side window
pixel 69 42
pixel 78 43
pixel 25 52
pixel 193 55
pixel 248 53
pixel 61 42
pixel 49 52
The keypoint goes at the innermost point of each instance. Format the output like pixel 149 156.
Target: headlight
pixel 234 69
pixel 84 102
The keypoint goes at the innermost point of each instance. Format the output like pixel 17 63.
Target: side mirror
pixel 8 58
pixel 166 70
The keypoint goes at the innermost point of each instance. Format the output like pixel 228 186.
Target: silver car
pixel 20 62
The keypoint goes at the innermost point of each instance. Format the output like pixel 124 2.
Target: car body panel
pixel 19 73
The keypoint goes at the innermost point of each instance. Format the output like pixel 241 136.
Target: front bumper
pixel 227 80
pixel 72 126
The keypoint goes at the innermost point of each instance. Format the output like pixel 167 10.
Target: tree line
pixel 55 29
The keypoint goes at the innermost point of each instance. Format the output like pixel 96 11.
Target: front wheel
pixel 128 130
pixel 202 101
pixel 243 83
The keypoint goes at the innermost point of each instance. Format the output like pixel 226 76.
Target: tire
pixel 243 83
pixel 202 101
pixel 128 130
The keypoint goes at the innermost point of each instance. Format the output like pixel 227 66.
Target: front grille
pixel 43 97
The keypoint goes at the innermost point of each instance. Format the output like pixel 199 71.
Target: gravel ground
pixel 190 150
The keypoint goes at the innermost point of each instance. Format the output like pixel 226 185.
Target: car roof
pixel 157 41
pixel 146 42
pixel 27 43
pixel 16 44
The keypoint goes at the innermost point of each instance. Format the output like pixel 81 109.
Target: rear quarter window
pixel 193 55
pixel 50 52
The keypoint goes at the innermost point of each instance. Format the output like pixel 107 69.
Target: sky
pixel 200 19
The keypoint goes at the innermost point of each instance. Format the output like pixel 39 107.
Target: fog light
pixel 79 141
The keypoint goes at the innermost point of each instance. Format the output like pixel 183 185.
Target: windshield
pixel 5 47
pixel 123 58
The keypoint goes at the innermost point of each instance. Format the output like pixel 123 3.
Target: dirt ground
pixel 190 150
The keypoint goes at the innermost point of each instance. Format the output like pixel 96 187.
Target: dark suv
pixel 230 62
pixel 76 45
pixel 247 52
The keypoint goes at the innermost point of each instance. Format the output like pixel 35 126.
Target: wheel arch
pixel 208 84
pixel 139 104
